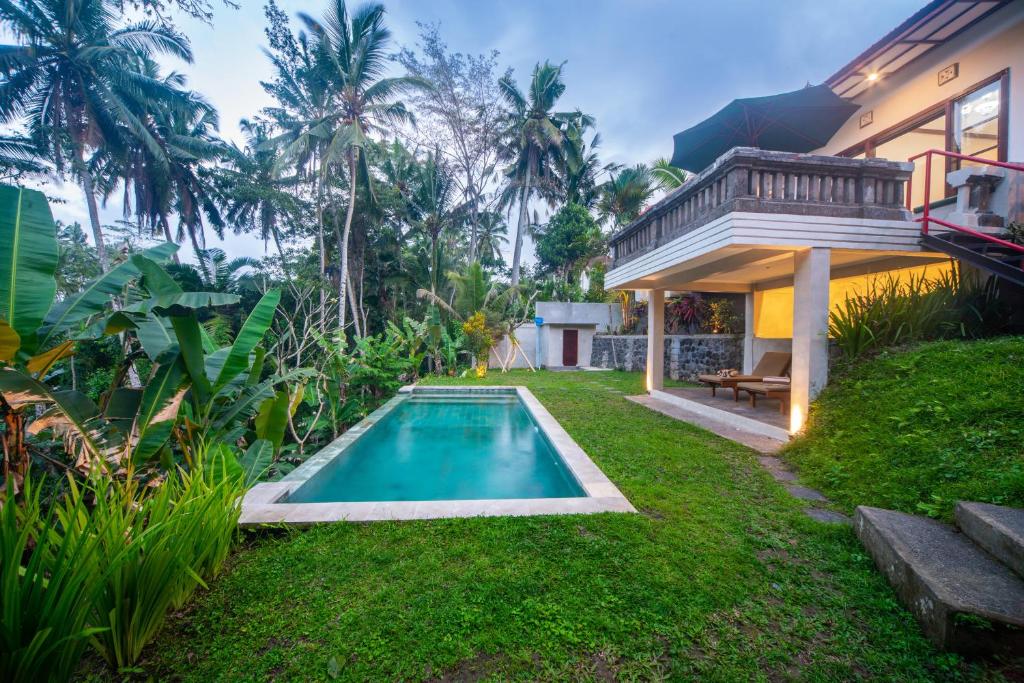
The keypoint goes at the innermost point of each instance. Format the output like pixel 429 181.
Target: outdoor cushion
pixel 772 363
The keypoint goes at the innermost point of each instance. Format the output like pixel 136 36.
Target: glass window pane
pixel 928 135
pixel 976 123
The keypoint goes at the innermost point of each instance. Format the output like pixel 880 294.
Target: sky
pixel 646 69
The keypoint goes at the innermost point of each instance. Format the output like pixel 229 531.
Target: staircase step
pixel 997 529
pixel 964 599
pixel 1008 270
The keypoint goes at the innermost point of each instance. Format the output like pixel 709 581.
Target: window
pixel 972 122
pixel 976 123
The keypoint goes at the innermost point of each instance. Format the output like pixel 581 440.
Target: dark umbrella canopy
pixel 798 121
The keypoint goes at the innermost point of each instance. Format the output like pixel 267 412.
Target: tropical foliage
pixel 922 308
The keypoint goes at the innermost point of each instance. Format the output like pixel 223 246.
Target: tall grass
pixel 46 583
pixel 106 565
pixel 894 312
pixel 173 538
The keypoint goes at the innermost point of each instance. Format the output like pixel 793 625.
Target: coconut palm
pixel 668 176
pixel 351 55
pixel 180 180
pixel 534 142
pixel 255 192
pixel 433 208
pixel 75 81
pixel 213 271
pixel 17 158
pixel 624 196
pixel 492 236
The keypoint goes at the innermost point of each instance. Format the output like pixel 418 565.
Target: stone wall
pixel 686 355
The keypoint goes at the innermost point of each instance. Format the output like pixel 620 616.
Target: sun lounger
pixel 772 363
pixel 766 390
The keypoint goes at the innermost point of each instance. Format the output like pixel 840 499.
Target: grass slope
pixel 917 430
pixel 720 577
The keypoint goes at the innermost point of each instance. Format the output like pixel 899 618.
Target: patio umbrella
pixel 798 121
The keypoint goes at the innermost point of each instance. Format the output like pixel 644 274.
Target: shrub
pixel 163 542
pixel 894 312
pixel 46 582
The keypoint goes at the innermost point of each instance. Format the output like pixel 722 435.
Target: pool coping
pixel 259 507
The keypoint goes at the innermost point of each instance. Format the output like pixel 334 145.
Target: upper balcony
pixel 746 180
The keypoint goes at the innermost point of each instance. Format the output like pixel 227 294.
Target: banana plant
pixel 204 391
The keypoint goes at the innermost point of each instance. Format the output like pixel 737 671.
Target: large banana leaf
pixel 160 402
pixel 249 399
pixel 10 342
pixel 272 418
pixel 249 336
pixel 187 330
pixel 182 302
pixel 28 259
pixel 72 415
pixel 257 460
pixel 155 334
pixel 95 296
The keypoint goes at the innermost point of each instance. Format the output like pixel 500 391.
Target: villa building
pixel 798 232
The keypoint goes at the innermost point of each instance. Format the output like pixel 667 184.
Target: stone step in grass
pixel 965 600
pixel 997 529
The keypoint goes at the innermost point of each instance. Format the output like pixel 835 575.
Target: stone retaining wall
pixel 686 355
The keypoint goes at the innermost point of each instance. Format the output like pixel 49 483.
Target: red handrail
pixel 926 218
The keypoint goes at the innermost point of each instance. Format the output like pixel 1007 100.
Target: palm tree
pixel 624 196
pixel 582 169
pixel 534 142
pixel 433 209
pixel 668 176
pixel 492 235
pixel 213 271
pixel 75 80
pixel 351 54
pixel 255 193
pixel 180 180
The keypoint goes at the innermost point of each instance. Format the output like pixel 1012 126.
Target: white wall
pixel 607 317
pixel 988 47
pixel 527 338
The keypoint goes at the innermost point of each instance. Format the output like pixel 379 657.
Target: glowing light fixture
pixel 873 76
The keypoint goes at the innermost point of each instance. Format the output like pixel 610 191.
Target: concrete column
pixel 655 339
pixel 809 369
pixel 748 333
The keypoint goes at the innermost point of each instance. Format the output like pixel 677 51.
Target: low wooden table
pixel 755 389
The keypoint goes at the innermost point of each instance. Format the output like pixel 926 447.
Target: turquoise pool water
pixel 431 447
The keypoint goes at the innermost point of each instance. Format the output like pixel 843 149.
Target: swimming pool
pixel 442 452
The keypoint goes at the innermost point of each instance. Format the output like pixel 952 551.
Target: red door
pixel 570 345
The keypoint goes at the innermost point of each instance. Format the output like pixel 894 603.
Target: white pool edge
pixel 259 507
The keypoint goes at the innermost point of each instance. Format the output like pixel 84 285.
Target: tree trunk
pixel 90 200
pixel 474 220
pixel 352 305
pixel 195 246
pixel 524 213
pixel 318 194
pixel 167 236
pixel 343 247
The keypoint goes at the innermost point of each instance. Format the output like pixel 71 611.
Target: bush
pixel 921 309
pixel 47 580
pixel 164 542
pixel 107 574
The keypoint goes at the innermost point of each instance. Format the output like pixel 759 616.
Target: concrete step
pixel 964 599
pixel 997 529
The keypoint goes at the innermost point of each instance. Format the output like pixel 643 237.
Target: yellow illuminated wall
pixel 773 308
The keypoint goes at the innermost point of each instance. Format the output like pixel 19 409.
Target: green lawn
pixel 720 577
pixel 918 429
